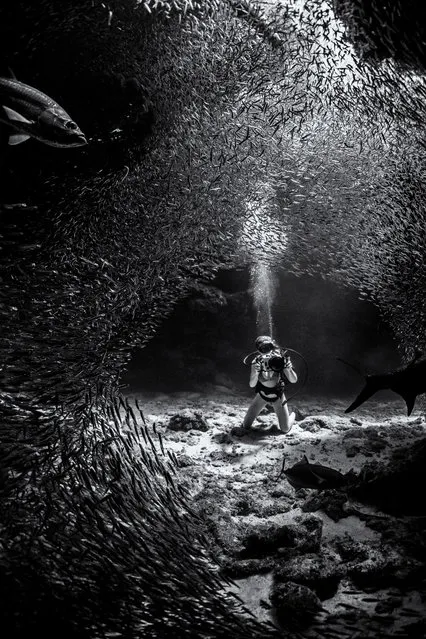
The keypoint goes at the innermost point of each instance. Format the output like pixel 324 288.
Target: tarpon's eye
pixel 69 124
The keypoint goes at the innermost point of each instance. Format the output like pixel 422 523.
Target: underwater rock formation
pixel 186 420
pixel 303 536
pixel 295 603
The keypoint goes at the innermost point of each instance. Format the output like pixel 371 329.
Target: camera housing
pixel 274 361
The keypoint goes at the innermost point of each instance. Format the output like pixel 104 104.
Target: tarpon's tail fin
pixel 372 385
pixel 410 400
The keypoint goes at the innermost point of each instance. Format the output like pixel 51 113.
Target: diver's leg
pixel 285 420
pixel 253 411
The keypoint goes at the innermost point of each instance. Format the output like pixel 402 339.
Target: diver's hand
pixel 287 362
pixel 254 374
pixel 289 371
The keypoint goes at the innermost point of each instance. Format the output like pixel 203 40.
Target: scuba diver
pixel 270 370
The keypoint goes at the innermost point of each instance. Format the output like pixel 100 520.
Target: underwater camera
pixel 275 362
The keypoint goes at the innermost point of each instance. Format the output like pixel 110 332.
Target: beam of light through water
pixel 264 286
pixel 261 224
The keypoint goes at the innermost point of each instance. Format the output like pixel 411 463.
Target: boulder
pixel 304 535
pixel 267 538
pixel 308 532
pixel 188 420
pixel 376 564
pixel 384 567
pixel 331 502
pixel 244 505
pixel 351 550
pixel 313 424
pixel 223 438
pixel 295 604
pixel 240 568
pixel 185 460
pixel 320 572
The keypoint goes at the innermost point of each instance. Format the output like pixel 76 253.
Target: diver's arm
pixel 254 374
pixel 289 372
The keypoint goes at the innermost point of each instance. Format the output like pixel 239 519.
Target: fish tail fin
pixel 372 385
pixel 410 400
pixel 18 138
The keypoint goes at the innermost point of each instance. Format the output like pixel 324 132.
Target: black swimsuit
pixel 275 391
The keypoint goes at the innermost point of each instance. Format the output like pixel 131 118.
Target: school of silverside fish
pixel 219 133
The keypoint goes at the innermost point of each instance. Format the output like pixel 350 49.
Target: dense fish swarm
pixel 220 133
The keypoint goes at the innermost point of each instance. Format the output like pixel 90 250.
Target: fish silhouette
pixel 408 382
pixel 306 475
pixel 30 113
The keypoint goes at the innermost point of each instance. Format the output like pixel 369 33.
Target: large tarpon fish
pixel 29 113
pixel 408 382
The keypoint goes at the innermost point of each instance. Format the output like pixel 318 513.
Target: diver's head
pixel 265 344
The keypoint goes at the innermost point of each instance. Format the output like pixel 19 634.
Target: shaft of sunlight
pixel 265 242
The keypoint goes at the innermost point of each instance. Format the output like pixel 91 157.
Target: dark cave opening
pixel 202 343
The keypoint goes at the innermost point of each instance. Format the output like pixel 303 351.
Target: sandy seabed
pixel 234 482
